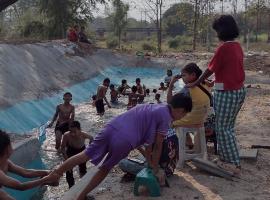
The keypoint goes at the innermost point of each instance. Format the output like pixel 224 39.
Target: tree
pixel 119 18
pixel 62 13
pixel 176 19
pixel 155 8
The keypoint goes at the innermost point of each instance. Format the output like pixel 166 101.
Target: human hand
pixel 175 78
pixel 45 173
pixel 52 179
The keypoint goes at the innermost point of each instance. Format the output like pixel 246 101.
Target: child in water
pixel 145 124
pixel 133 97
pixel 72 144
pixel 114 94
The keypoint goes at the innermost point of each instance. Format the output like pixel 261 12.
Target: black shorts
pixel 71 151
pixel 62 127
pixel 100 106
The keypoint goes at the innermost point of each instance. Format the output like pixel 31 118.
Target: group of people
pixel 146 126
pixel 78 36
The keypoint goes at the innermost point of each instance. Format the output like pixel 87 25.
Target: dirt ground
pixel 253 128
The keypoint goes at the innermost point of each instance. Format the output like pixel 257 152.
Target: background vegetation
pixel 184 26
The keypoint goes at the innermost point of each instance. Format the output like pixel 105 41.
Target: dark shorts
pixel 71 151
pixel 108 143
pixel 100 106
pixel 62 127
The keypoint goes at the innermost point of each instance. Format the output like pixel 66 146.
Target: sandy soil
pixel 253 128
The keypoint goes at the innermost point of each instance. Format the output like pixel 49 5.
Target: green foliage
pixel 173 43
pixel 177 19
pixel 34 29
pixel 148 47
pixel 118 17
pixel 178 41
pixel 112 42
pixel 64 13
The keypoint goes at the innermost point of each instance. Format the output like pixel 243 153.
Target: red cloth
pixel 228 66
pixel 72 36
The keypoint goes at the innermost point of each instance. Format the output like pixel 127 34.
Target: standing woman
pixel 229 95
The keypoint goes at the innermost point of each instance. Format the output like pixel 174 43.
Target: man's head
pixel 74 127
pixel 5 145
pixel 76 27
pixel 112 87
pixel 67 97
pixel 169 72
pixel 180 105
pixel 106 82
pixel 162 84
pixel 138 81
pixel 124 81
pixel 134 89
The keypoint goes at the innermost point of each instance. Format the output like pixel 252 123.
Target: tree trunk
pixel 245 22
pixel 160 27
pixel 119 40
pixel 268 40
pixel 257 21
pixel 195 25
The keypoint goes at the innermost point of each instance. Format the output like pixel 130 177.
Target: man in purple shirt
pixel 142 125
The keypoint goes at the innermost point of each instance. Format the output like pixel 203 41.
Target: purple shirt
pixel 139 125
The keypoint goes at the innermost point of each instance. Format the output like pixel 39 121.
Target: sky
pixel 137 9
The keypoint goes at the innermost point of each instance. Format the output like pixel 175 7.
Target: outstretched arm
pixel 68 165
pixel 55 116
pixel 27 173
pixel 171 86
pixel 17 185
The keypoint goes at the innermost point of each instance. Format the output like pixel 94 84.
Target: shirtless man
pixel 72 144
pixel 64 114
pixel 8 166
pixel 140 90
pixel 101 94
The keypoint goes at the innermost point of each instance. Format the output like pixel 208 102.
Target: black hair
pixel 193 68
pixel 226 28
pixel 111 86
pixel 161 84
pixel 106 80
pixel 180 100
pixel 94 97
pixel 138 80
pixel 124 81
pixel 75 124
pixel 155 90
pixel 170 71
pixel 147 91
pixel 157 95
pixel 134 88
pixel 82 27
pixel 67 94
pixel 4 142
